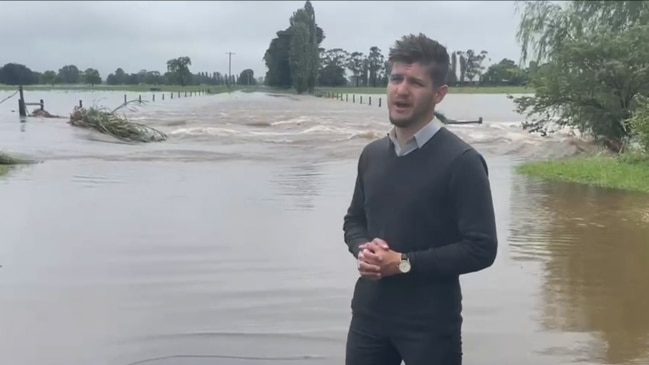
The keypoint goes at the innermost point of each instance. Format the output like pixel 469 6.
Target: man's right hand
pixel 368 262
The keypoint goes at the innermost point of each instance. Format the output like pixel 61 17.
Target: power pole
pixel 229 67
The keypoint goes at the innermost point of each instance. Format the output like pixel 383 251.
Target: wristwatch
pixel 404 265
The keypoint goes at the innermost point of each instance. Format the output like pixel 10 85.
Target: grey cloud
pixel 144 35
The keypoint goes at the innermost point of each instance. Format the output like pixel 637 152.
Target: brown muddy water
pixel 224 244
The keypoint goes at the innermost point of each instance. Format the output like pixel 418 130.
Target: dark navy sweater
pixel 434 204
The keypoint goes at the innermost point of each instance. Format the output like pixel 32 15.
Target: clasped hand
pixel 377 260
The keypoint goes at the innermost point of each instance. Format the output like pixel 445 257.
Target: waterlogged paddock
pixel 223 245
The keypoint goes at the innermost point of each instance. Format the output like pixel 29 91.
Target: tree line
pixel 294 59
pixel 372 70
pixel 178 73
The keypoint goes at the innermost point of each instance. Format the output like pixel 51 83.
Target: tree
pixel 69 74
pixel 276 59
pixel 505 72
pixel 179 68
pixel 375 63
pixel 355 64
pixel 49 77
pixel 91 76
pixel 247 77
pixel 596 64
pixel 332 67
pixel 299 57
pixel 17 74
pixel 294 52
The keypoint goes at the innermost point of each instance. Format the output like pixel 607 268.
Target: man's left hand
pixel 379 253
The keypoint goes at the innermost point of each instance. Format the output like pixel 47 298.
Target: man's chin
pixel 401 122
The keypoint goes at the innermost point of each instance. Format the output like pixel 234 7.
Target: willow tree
pixel 593 58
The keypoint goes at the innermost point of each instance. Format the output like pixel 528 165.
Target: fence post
pixel 22 109
pixel 42 105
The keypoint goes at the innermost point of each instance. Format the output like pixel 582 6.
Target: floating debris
pixel 108 122
pixel 41 113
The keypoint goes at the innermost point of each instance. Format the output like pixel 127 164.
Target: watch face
pixel 404 266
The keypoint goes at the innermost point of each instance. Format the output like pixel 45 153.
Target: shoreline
pixel 214 89
pixel 451 90
pixel 629 172
pixel 217 89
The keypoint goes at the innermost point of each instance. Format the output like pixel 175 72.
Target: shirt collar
pixel 422 136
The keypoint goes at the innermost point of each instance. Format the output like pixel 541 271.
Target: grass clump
pixel 7 161
pixel 628 171
pixel 108 122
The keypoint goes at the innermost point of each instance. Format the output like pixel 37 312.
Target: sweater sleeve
pixel 355 224
pixel 472 207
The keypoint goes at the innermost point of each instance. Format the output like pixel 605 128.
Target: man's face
pixel 411 95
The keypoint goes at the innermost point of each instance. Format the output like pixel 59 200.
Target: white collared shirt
pixel 418 140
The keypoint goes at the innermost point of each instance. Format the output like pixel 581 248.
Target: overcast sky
pixel 144 35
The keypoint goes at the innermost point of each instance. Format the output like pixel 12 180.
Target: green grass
pixel 3 169
pixel 127 88
pixel 626 172
pixel 451 90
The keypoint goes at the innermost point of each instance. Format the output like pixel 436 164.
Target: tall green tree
pixel 294 52
pixel 299 52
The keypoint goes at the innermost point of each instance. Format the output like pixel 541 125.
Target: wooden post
pixel 354 98
pixel 22 110
pixel 125 100
pixel 153 97
pixel 42 105
pixel 140 98
pixel 379 102
pixel 370 102
pixel 163 96
pixel 80 103
pixel 346 97
pixel 361 101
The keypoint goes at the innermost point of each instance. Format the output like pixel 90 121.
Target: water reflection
pixel 595 244
pixel 299 183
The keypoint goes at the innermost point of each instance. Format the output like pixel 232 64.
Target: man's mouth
pixel 401 104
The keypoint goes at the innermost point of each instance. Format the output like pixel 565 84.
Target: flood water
pixel 223 245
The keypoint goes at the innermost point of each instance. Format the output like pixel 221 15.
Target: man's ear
pixel 440 93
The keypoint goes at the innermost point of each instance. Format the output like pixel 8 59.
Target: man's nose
pixel 403 88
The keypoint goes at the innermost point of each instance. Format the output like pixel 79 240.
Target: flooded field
pixel 223 245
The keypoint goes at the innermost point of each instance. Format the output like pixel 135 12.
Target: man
pixel 420 216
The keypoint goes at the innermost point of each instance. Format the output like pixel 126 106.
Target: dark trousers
pixel 372 343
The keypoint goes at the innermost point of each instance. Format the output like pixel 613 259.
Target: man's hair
pixel 425 51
